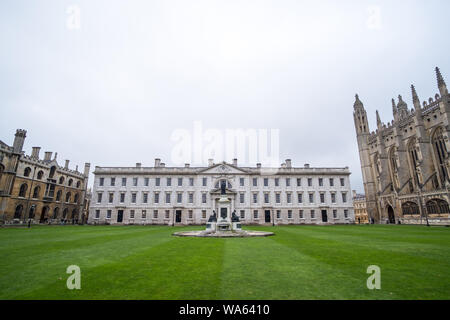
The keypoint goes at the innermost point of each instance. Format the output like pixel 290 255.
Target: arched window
pixel 23 190
pixel 58 195
pixel 52 172
pixel 75 199
pixel 61 180
pixel 27 172
pixel 70 182
pixel 414 162
pixel 440 151
pixel 36 192
pixel 65 213
pixel 78 184
pixel 437 206
pixel 393 167
pixel 40 174
pixel 55 213
pixel 410 208
pixel 32 212
pixel 18 212
pixel 74 214
pixel 68 196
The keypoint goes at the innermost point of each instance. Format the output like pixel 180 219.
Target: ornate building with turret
pixel 406 162
pixel 38 190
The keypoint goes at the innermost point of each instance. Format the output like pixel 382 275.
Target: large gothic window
pixel 414 162
pixel 441 154
pixel 36 192
pixel 410 208
pixel 437 206
pixel 23 190
pixel 394 168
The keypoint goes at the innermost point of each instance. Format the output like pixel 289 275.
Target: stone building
pixel 405 163
pixel 360 207
pixel 189 195
pixel 38 189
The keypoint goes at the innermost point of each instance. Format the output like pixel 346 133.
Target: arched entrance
pixel 391 215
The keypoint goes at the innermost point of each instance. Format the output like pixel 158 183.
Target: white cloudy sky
pixel 113 91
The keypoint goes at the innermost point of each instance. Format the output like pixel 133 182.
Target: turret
pixel 402 107
pixel 394 110
pixel 441 83
pixel 379 124
pixel 415 97
pixel 360 117
pixel 19 140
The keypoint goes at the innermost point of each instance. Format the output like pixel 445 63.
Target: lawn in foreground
pixel 299 262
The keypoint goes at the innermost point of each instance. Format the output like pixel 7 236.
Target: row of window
pixel 255 197
pixel 255 182
pixel 143 214
pixel 40 174
pixel 36 194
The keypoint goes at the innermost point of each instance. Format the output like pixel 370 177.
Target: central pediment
pixel 223 168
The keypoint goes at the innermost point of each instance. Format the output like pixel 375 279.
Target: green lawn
pixel 299 262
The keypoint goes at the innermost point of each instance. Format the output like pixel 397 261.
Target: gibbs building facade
pixel 405 163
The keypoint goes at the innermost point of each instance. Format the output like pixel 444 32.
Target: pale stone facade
pixel 360 207
pixel 188 195
pixel 38 190
pixel 405 163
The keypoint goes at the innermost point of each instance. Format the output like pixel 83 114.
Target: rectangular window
pixel 111 197
pixel 167 197
pixel 113 182
pixel 278 214
pixel 169 182
pixel 97 214
pixel 255 198
pixel 255 182
pixel 131 214
pixel 144 214
pixel 346 214
pixel 99 197
pixel 191 197
pixel 334 214
pixel 157 182
pixel 266 198
pixel 266 182
pixel 179 197
pixel 191 182
pixel 300 198
pixel 145 198
pixel 277 182
pixel 320 182
pixel 167 214
pixel 241 198
pixel 309 182
pixel 313 214
pixel 255 214
pixel 289 198
pixel 299 182
pixel 155 214
pixel 344 197
pixel 135 182
pixel 342 182
pixel 190 214
pixel 322 198
pixel 331 182
pixel 289 214
pixel 242 214
pixel 311 198
pixel 156 197
pixel 108 214
pixel 124 182
pixel 180 182
pixel 277 198
pixel 204 181
pixel 203 214
pixel 133 198
pixel 300 214
pixel 288 182
pixel 333 198
pixel 242 182
pixel 101 182
pixel 146 181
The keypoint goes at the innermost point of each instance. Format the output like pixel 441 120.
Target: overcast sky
pixel 110 86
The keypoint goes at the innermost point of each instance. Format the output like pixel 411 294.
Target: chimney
pixel 210 162
pixel 35 152
pixel 258 165
pixel 162 165
pixel 48 156
pixel 306 165
pixel 138 164
pixel 76 168
pixel 157 162
pixel 289 163
pixel 66 166
pixel 87 167
pixel 187 165
pixel 283 165
pixel 19 140
pixel 235 162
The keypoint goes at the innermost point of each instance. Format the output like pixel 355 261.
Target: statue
pixel 213 217
pixel 234 217
pixel 222 187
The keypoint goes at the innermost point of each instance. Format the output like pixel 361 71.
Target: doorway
pixel 267 216
pixel 324 216
pixel 391 215
pixel 178 216
pixel 119 216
